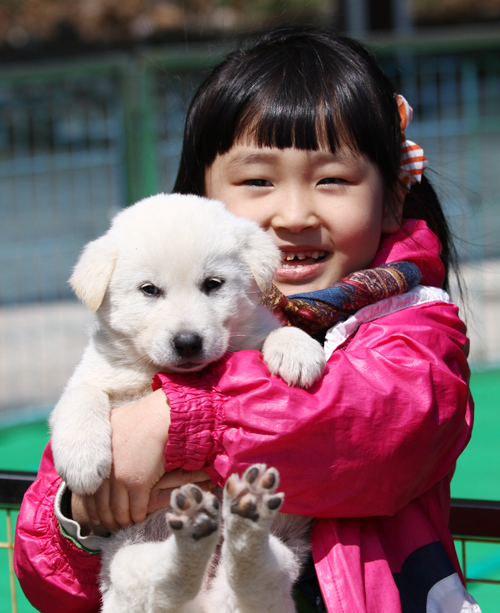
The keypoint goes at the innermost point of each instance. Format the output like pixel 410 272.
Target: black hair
pixel 305 88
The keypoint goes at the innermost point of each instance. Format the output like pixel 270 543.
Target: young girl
pixel 302 132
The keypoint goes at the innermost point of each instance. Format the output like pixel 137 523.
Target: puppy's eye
pixel 150 290
pixel 212 284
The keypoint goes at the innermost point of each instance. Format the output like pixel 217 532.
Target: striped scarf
pixel 316 312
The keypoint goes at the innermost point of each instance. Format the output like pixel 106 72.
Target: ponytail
pixel 422 202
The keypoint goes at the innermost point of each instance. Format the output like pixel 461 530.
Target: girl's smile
pixel 326 212
pixel 300 264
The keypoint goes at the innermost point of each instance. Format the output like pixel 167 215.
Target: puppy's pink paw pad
pixel 254 494
pixel 194 513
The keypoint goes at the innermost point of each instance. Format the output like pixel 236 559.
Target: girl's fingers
pixel 102 500
pixel 139 499
pixel 119 503
pixel 113 506
pixel 195 476
pixel 160 499
pixel 91 509
pixel 179 477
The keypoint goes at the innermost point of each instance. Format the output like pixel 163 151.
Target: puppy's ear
pixel 261 254
pixel 93 271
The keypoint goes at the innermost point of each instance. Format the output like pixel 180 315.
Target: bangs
pixel 292 115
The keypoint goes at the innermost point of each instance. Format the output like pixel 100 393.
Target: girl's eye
pixel 212 284
pixel 150 290
pixel 258 183
pixel 332 181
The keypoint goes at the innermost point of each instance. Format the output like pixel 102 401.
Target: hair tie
pixel 413 160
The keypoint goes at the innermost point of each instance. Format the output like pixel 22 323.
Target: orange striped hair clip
pixel 413 160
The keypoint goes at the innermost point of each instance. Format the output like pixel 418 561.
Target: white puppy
pixel 174 284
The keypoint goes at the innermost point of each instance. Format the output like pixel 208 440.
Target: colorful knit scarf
pixel 317 311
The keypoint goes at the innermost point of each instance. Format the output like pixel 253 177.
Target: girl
pixel 302 133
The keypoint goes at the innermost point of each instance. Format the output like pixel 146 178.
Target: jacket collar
pixel 413 242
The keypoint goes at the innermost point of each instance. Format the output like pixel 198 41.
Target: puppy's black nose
pixel 187 344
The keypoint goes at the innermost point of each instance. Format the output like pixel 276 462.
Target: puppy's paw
pixel 294 356
pixel 195 514
pixel 253 496
pixel 81 438
pixel 85 469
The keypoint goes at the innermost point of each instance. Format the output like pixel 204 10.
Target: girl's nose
pixel 295 214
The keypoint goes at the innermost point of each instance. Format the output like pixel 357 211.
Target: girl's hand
pixel 138 484
pixel 94 519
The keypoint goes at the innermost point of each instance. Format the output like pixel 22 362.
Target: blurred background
pixel 92 101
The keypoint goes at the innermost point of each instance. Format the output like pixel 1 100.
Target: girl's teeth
pixel 302 256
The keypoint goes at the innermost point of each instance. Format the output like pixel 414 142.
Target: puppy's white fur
pixel 169 270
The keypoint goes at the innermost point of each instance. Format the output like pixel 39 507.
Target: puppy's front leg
pixel 257 571
pixel 294 356
pixel 165 577
pixel 81 438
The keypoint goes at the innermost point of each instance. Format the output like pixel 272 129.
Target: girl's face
pixel 325 212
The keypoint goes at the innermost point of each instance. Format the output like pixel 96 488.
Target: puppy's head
pixel 175 280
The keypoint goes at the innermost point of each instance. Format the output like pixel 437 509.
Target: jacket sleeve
pixel 55 575
pixel 387 421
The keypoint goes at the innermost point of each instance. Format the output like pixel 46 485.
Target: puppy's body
pixel 174 284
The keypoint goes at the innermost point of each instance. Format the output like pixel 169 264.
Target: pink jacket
pixel 369 451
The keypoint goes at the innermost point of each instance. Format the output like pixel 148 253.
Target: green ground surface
pixel 477 476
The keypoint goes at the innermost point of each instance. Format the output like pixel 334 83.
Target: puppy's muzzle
pixel 187 344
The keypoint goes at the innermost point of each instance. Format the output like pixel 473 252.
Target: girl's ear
pixel 93 271
pixel 393 212
pixel 260 253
